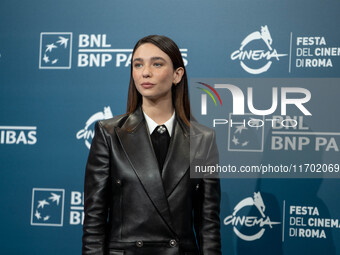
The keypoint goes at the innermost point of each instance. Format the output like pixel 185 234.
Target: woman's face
pixel 153 72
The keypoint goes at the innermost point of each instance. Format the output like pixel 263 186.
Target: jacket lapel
pixel 181 152
pixel 135 140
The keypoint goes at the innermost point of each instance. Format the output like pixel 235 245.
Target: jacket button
pixel 172 243
pixel 197 186
pixel 119 182
pixel 139 243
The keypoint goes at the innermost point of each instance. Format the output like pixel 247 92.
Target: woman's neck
pixel 160 110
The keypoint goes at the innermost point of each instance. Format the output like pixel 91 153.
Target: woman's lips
pixel 147 85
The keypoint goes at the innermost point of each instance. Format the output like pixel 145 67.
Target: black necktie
pixel 160 140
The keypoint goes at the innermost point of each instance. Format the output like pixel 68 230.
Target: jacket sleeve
pixel 96 190
pixel 207 217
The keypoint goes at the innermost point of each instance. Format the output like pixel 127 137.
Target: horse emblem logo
pixel 264 35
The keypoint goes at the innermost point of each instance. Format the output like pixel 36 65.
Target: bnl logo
pixel 47 207
pixel 55 50
pixel 241 137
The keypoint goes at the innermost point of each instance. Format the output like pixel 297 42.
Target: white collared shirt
pixel 152 124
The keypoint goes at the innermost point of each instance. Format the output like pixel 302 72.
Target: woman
pixel 139 197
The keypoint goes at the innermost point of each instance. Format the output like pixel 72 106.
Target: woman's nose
pixel 146 71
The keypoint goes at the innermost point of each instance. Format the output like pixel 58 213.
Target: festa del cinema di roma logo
pixel 244 55
pixel 261 222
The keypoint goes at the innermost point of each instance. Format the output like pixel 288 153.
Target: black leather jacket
pixel 131 209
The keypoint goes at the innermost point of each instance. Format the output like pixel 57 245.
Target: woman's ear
pixel 178 74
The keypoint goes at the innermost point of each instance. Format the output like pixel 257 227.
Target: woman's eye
pixel 137 65
pixel 157 64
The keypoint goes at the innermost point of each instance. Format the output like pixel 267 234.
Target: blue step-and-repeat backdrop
pixel 264 74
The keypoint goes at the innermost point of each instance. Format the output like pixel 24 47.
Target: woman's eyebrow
pixel 137 59
pixel 152 58
pixel 157 58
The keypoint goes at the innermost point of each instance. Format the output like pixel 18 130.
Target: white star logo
pixel 235 140
pixel 37 215
pixel 245 143
pixel 55 198
pixel 46 59
pixel 42 203
pixel 50 47
pixel 63 41
pixel 239 129
pixel 256 122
